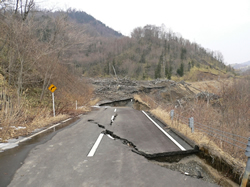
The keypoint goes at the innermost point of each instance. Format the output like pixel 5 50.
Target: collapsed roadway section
pixel 146 135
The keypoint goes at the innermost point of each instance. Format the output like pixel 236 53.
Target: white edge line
pixel 66 120
pixel 173 140
pixel 23 140
pixel 93 150
pixel 27 138
pixel 4 147
pixel 54 126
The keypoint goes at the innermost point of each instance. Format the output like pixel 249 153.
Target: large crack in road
pixel 114 136
pixel 186 162
pixel 162 157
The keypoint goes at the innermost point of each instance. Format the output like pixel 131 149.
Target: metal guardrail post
pixel 191 123
pixel 247 170
pixel 172 114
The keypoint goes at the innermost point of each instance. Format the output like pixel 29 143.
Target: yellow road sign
pixel 52 88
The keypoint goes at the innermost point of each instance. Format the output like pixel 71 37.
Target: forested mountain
pixel 93 27
pixel 151 52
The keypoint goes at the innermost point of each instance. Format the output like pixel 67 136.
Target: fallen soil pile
pixel 163 90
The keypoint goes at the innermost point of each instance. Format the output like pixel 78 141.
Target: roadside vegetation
pixel 33 55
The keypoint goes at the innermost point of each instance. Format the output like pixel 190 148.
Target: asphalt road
pixel 65 160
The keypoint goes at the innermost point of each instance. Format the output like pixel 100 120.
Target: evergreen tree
pixel 158 71
pixel 189 66
pixel 180 71
pixel 168 72
pixel 183 53
pixel 106 68
pixel 143 60
pixel 192 62
pixel 158 68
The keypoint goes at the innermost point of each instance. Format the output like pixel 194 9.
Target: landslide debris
pixel 165 90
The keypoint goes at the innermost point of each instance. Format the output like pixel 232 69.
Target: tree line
pixel 151 52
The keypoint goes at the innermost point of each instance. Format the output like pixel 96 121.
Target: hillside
pixel 93 27
pixel 33 49
pixel 242 66
pixel 151 52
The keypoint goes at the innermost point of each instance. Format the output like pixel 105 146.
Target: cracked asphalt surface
pixel 63 160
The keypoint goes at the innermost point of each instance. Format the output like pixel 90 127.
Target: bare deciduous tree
pixel 24 8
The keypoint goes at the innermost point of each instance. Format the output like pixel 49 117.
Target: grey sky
pixel 220 25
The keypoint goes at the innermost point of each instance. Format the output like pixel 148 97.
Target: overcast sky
pixel 219 25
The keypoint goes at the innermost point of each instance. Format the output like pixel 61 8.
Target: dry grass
pixel 203 73
pixel 42 119
pixel 93 102
pixel 35 118
pixel 1 79
pixel 197 137
pixel 32 113
pixel 212 86
pixel 203 141
pixel 143 101
pixel 146 100
pixel 45 119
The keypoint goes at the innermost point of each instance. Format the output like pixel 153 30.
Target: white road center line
pixel 115 110
pixel 95 146
pixel 110 137
pixel 173 140
pixel 112 118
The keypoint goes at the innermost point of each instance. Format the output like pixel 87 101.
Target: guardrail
pixel 224 136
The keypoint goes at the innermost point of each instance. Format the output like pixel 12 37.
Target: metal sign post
pixel 172 114
pixel 247 170
pixel 53 100
pixel 52 88
pixel 191 123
